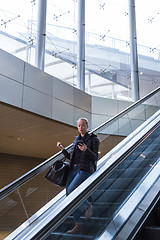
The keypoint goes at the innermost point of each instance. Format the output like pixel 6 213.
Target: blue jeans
pixel 75 178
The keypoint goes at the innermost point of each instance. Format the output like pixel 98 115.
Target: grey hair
pixel 83 119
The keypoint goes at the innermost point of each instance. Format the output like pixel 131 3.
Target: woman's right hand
pixel 59 145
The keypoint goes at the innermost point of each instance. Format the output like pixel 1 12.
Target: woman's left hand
pixel 82 147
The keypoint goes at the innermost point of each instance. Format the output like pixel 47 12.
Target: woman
pixel 83 159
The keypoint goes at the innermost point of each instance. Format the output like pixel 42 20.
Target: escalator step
pixel 151 233
pixel 91 227
pixel 65 236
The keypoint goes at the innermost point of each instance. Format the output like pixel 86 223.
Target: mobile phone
pixel 80 142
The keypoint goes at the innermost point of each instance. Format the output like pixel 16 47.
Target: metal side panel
pixel 126 219
pixel 137 218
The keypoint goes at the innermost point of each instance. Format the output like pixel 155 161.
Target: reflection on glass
pixel 12 213
pixel 21 204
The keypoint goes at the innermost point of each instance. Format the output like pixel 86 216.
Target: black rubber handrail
pixel 47 163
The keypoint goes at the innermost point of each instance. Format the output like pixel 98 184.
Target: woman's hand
pixel 59 145
pixel 82 147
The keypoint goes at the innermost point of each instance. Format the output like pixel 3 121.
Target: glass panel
pixel 107 50
pixel 113 133
pixel 12 213
pixel 38 192
pixel 21 204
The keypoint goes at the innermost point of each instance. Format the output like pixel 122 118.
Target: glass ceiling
pixel 107 41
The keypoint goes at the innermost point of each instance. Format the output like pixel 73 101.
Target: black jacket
pixel 88 161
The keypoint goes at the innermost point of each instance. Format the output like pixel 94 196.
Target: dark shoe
pixel 88 212
pixel 77 228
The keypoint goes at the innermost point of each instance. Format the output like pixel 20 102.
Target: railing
pixel 50 219
pixel 23 198
pixel 102 129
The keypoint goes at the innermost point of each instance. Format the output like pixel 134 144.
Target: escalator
pixel 118 175
pixel 118 189
pixel 110 196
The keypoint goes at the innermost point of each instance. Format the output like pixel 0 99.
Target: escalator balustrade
pixel 109 197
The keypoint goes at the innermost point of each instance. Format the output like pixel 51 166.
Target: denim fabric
pixel 75 178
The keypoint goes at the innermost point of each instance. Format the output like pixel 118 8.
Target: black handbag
pixel 58 173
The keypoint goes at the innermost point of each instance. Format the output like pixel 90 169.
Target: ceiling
pixel 27 134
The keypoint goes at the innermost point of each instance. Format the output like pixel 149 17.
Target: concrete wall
pixel 103 109
pixel 29 88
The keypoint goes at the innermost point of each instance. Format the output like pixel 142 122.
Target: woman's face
pixel 82 127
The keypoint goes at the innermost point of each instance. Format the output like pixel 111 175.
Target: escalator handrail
pixel 56 215
pixel 47 163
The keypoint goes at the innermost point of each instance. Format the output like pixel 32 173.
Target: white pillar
pixel 81 45
pixel 133 51
pixel 41 34
pixel 113 92
pixel 89 83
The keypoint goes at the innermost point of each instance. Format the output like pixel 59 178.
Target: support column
pixel 81 45
pixel 89 83
pixel 133 51
pixel 114 96
pixel 41 34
